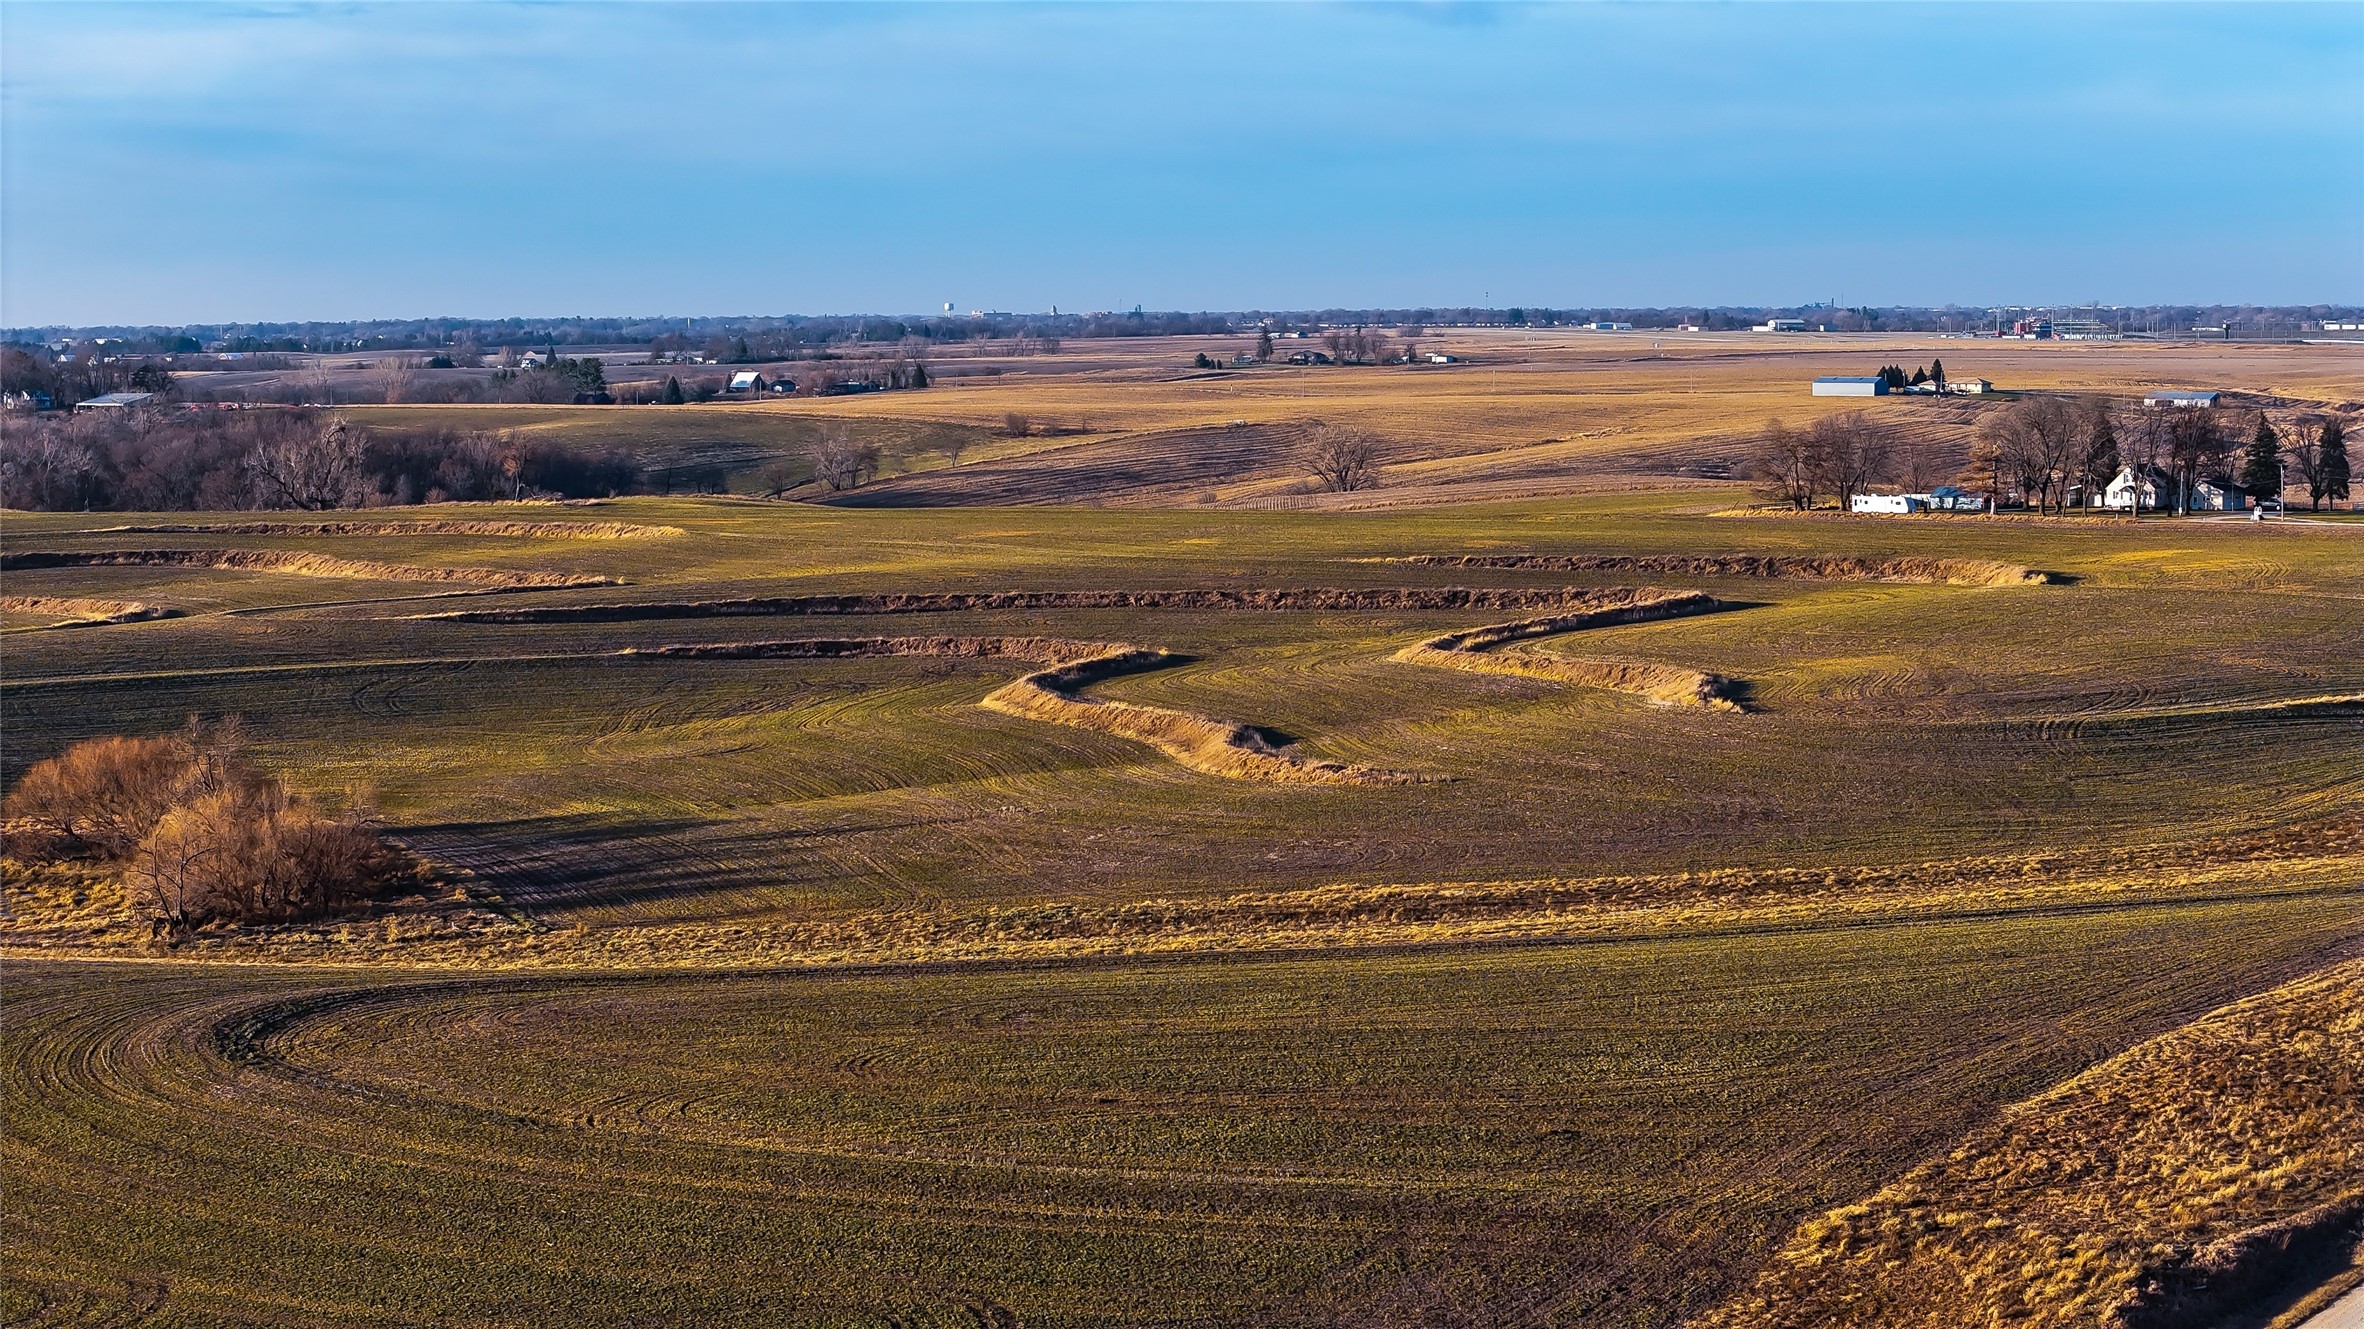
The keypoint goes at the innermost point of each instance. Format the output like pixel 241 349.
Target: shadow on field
pixel 661 865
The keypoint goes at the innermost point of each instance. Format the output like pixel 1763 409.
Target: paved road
pixel 2345 1313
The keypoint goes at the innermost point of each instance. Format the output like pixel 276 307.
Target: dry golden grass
pixel 1474 650
pixel 524 530
pixel 2213 1171
pixel 297 563
pixel 77 611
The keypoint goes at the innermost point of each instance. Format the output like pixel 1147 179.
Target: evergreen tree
pixel 2334 459
pixel 2101 446
pixel 673 394
pixel 1920 376
pixel 2261 465
pixel 1263 345
pixel 1937 373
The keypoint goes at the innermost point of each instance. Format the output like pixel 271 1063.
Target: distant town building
pixel 1781 325
pixel 2330 325
pixel 1606 326
pixel 746 380
pixel 1440 358
pixel 2179 398
pixel 116 401
pixel 1873 386
pixel 2083 329
pixel 31 399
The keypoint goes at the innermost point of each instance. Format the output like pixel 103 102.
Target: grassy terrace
pixel 1940 720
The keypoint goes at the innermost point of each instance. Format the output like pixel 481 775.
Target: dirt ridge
pixel 1472 650
pixel 1262 600
pixel 296 563
pixel 1050 695
pixel 1919 571
pixel 81 611
pixel 541 530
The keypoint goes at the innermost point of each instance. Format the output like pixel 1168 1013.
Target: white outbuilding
pixel 1873 386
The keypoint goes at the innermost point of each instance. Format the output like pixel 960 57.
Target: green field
pixel 1612 1121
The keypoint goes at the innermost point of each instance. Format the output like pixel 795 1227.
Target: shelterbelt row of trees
pixel 160 461
pixel 2052 454
pixel 196 833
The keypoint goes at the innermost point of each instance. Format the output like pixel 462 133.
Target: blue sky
pixel 208 162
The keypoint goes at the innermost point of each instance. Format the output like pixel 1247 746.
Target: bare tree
pixel 1850 452
pixel 397 376
pixel 840 462
pixel 1786 465
pixel 2143 448
pixel 2032 446
pixel 315 470
pixel 778 477
pixel 2055 447
pixel 2101 456
pixel 2196 447
pixel 1016 426
pixel 2306 452
pixel 1343 460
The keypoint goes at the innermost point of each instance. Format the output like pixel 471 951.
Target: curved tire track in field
pixel 1473 650
pixel 1051 695
pixel 294 563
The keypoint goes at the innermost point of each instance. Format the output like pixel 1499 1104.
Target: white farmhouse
pixel 2152 490
pixel 2219 496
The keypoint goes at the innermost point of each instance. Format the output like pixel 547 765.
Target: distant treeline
pixel 779 336
pixel 244 460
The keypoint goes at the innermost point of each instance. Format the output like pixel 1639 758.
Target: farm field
pixel 1580 1134
pixel 1131 424
pixel 1187 901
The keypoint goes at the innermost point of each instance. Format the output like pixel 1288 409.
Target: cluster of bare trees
pixel 1357 346
pixel 1838 455
pixel 1343 460
pixel 177 460
pixel 2042 448
pixel 200 835
pixel 2054 453
pixel 841 461
pixel 2313 450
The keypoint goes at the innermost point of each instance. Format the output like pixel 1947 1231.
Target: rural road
pixel 2345 1313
